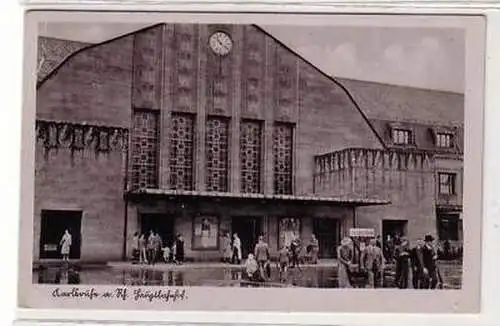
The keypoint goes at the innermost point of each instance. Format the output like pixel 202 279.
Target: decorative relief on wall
pixel 373 158
pixel 144 150
pixel 251 156
pixel 147 69
pixel 348 172
pixel 283 158
pixel 286 85
pixel 186 72
pixel 182 151
pixel 253 74
pixel 219 76
pixel 217 156
pixel 55 135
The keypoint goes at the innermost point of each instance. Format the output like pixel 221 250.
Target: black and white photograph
pixel 256 154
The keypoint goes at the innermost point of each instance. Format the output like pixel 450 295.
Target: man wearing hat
pixel 429 258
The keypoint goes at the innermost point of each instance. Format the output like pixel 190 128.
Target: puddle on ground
pixel 310 277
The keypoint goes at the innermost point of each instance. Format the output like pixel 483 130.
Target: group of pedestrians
pixel 231 249
pixel 258 262
pixel 415 267
pixel 151 249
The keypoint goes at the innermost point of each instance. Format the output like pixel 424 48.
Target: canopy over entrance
pixel 322 200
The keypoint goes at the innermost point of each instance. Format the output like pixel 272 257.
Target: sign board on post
pixel 358 232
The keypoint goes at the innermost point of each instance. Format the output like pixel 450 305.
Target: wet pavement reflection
pixel 311 277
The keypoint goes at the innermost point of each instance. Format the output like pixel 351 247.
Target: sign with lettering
pixel 358 232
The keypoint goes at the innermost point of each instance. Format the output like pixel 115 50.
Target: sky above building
pixel 430 58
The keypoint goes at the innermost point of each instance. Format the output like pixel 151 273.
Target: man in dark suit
pixel 417 265
pixel 429 262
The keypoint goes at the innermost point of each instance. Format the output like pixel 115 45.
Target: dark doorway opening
pixel 449 226
pixel 248 230
pixel 53 225
pixel 394 228
pixel 160 223
pixel 327 232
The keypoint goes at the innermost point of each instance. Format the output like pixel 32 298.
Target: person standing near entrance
pixel 371 261
pixel 314 249
pixel 227 251
pixel 345 255
pixel 262 255
pixel 143 259
pixel 179 249
pixel 429 262
pixel 236 258
pixel 65 244
pixel 151 247
pixel 417 267
pixel 404 271
pixel 157 242
pixel 135 247
pixel 283 261
pixel 295 247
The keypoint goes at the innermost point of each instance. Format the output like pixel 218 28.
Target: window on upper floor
pixel 401 136
pixel 251 155
pixel 444 140
pixel 447 183
pixel 217 153
pixel 144 149
pixel 283 158
pixel 181 156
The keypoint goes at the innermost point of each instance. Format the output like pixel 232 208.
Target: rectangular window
pixel 206 232
pixel 144 150
pixel 447 183
pixel 289 229
pixel 283 158
pixel 401 137
pixel 216 151
pixel 444 140
pixel 251 156
pixel 182 151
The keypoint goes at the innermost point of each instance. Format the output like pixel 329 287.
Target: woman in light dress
pixel 143 257
pixel 227 251
pixel 65 244
pixel 345 254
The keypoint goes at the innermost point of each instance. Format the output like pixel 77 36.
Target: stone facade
pixel 260 129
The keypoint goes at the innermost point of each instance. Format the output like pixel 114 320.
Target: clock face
pixel 221 43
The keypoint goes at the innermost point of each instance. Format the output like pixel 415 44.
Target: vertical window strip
pixel 181 156
pixel 144 165
pixel 251 156
pixel 217 156
pixel 283 158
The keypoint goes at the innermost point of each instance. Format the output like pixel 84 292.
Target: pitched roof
pixel 398 103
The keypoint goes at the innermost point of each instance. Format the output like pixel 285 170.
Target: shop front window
pixel 206 232
pixel 289 229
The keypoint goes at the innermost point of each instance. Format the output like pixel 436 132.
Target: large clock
pixel 221 43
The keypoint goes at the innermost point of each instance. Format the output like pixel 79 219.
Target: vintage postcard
pixel 273 162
